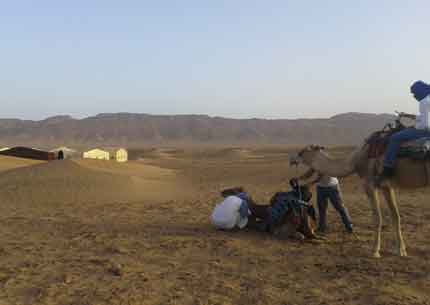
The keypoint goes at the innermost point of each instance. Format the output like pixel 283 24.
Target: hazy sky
pixel 234 58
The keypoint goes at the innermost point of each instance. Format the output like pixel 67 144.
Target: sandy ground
pixel 92 232
pixel 7 163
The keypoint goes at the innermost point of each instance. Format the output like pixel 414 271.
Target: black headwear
pixel 302 191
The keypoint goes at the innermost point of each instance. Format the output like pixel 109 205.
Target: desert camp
pixel 121 155
pixel 115 154
pixel 96 153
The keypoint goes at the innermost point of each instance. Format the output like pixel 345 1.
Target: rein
pixel 298 188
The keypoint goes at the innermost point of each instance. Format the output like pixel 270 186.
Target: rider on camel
pixel 421 92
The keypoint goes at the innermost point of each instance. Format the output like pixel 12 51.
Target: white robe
pixel 422 121
pixel 226 214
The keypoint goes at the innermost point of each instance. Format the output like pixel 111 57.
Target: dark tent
pixel 28 153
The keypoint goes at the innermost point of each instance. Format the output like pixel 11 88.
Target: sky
pixel 232 58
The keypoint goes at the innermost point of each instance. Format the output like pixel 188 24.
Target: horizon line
pixel 71 117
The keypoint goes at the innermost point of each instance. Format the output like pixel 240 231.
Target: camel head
pixel 306 155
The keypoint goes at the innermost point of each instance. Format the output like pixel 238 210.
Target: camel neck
pixel 334 167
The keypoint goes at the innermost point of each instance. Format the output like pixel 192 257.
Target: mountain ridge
pixel 136 129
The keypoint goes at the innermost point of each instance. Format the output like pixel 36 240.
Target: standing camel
pixel 409 174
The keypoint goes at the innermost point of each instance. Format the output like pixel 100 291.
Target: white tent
pixel 121 155
pixel 68 153
pixel 96 154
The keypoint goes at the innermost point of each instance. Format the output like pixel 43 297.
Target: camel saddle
pixel 417 149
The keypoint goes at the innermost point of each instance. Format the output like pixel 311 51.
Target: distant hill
pixel 131 129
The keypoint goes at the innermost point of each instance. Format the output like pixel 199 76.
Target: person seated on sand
pixel 328 188
pixel 233 211
pixel 291 209
pixel 421 92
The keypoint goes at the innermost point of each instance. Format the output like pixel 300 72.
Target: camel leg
pixel 390 197
pixel 373 196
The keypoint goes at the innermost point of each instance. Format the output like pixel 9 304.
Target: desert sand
pixel 98 232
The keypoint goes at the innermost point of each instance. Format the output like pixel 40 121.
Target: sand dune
pixel 168 152
pixel 232 153
pixel 87 181
pixel 132 168
pixel 7 163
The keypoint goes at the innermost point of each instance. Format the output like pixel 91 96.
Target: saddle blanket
pixel 417 149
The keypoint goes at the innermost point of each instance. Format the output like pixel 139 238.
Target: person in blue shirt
pixel 421 92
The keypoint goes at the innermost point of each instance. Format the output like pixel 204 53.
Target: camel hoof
pixel 401 252
pixel 376 255
pixel 298 236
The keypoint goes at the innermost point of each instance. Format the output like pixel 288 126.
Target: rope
pixel 298 186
